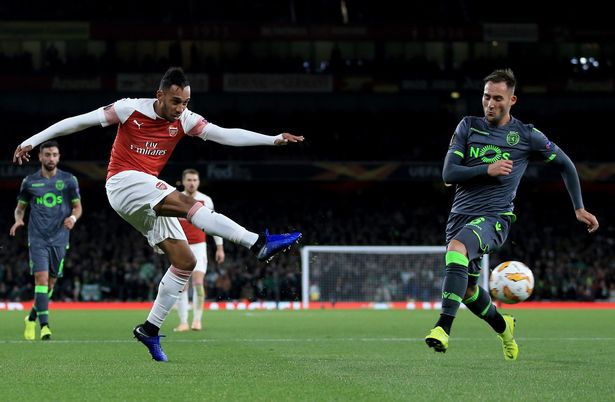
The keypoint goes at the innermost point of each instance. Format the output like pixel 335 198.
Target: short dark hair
pixel 174 76
pixel 48 144
pixel 189 171
pixel 503 75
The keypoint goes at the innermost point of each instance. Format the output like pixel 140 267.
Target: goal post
pixel 377 274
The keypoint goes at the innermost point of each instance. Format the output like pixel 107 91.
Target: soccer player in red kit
pixel 148 131
pixel 197 240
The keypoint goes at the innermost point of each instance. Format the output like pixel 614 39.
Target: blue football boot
pixel 151 342
pixel 276 243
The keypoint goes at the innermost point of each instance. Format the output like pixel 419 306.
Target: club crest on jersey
pixel 161 186
pixel 173 130
pixel 512 138
pixel 59 185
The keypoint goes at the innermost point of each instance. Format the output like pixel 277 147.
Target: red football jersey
pixel 145 141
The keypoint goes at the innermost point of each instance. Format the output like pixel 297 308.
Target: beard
pixel 167 114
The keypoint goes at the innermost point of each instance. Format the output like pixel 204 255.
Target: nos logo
pixel 489 153
pixel 49 200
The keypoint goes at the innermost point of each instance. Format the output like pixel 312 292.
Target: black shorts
pixel 479 234
pixel 44 258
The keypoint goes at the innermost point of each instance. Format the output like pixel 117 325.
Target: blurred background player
pixel 148 131
pixel 55 206
pixel 197 239
pixel 487 158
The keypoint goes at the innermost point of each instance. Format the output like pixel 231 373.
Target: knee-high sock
pixel 182 307
pixel 453 288
pixel 41 304
pixel 198 297
pixel 480 304
pixel 171 286
pixel 216 224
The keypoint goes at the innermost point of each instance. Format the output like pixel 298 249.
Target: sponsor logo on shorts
pixel 161 186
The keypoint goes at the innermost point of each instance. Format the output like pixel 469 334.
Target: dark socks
pixel 150 329
pixel 41 304
pixel 480 304
pixel 445 321
pixel 258 245
pixel 453 290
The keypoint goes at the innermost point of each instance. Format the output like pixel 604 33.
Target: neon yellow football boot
pixel 30 332
pixel 437 339
pixel 45 333
pixel 511 350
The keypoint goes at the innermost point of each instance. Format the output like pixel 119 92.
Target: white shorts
pixel 200 253
pixel 133 195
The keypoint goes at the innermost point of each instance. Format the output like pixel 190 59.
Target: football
pixel 511 282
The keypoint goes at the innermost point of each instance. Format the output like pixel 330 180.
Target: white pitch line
pixel 271 340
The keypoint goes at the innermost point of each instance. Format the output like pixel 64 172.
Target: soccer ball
pixel 511 282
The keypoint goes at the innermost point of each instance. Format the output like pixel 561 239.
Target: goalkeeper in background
pixel 486 159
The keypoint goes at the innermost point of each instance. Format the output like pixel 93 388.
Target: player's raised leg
pixel 265 246
pixel 479 302
pixel 511 350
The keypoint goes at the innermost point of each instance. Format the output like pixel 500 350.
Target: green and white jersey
pixel 51 201
pixel 475 144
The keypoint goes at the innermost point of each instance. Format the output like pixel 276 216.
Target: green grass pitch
pixel 565 355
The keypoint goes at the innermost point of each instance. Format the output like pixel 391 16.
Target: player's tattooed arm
pixel 20 212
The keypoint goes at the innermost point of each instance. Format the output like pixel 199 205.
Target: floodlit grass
pixel 310 356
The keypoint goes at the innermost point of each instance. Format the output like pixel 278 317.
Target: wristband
pixel 73 218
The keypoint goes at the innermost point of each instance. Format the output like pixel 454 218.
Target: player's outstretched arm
pixel 573 185
pixel 67 126
pixel 589 219
pixel 239 137
pixel 22 154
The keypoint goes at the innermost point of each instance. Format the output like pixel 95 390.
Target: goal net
pixel 378 274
